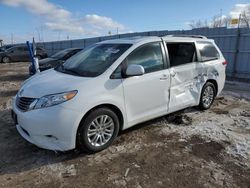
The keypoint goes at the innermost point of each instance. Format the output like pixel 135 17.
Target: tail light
pixel 224 63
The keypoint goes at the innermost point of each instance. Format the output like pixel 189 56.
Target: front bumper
pixel 52 128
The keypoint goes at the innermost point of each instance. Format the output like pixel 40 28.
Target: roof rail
pixel 192 36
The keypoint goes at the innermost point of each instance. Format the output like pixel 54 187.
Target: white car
pixel 114 85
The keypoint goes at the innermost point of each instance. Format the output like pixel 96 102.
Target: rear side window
pixel 17 49
pixel 149 56
pixel 207 51
pixel 181 53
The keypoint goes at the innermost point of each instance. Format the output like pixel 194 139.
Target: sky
pixel 50 20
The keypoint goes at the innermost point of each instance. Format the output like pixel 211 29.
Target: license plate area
pixel 14 117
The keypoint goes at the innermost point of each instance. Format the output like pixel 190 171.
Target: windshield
pixel 4 48
pixel 94 60
pixel 60 54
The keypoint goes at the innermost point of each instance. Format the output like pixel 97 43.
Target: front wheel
pixel 6 59
pixel 207 96
pixel 98 130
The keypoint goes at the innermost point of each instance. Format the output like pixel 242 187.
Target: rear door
pixel 25 54
pixel 185 73
pixel 147 96
pixel 16 53
pixel 213 62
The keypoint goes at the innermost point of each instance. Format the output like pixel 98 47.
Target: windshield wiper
pixel 71 71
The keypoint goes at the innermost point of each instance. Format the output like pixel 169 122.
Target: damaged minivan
pixel 115 84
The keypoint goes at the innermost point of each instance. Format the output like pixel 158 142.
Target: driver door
pixel 147 96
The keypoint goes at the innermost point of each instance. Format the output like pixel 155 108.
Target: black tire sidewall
pixel 201 105
pixel 7 58
pixel 82 139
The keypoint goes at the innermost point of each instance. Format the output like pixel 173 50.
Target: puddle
pixel 208 150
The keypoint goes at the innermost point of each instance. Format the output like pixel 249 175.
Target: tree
pixel 198 24
pixel 217 21
pixel 220 21
pixel 245 18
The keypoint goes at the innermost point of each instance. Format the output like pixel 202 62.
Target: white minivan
pixel 115 84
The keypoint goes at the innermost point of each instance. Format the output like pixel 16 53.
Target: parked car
pixel 55 60
pixel 5 47
pixel 114 85
pixel 20 53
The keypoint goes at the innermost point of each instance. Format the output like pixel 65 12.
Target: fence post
pixel 237 45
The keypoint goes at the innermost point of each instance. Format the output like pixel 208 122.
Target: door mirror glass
pixel 135 70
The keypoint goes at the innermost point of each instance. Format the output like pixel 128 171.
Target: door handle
pixel 164 77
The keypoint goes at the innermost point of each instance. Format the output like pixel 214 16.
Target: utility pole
pixel 220 17
pixel 236 49
pixel 239 21
pixel 12 38
pixel 59 35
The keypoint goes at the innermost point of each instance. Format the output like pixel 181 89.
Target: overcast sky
pixel 48 20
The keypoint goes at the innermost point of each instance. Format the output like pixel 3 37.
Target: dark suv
pixel 20 53
pixel 55 60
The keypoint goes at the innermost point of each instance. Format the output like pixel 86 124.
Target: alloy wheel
pixel 100 130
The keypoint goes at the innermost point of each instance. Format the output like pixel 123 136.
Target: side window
pixel 207 51
pixel 25 49
pixel 149 56
pixel 17 49
pixel 181 53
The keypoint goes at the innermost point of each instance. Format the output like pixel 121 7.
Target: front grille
pixel 23 103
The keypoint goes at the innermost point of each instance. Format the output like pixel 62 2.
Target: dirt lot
pixel 189 148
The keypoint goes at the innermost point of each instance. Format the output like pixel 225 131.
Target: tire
pixel 99 137
pixel 208 93
pixel 5 59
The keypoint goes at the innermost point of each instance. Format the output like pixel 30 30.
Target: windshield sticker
pixel 112 50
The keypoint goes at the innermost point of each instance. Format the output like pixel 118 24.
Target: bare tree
pixel 198 24
pixel 220 21
pixel 217 21
pixel 245 18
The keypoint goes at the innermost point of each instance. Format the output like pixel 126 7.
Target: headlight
pixel 51 100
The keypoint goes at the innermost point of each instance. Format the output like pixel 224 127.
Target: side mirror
pixel 135 70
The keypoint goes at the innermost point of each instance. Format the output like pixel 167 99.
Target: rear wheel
pixel 6 59
pixel 98 130
pixel 207 96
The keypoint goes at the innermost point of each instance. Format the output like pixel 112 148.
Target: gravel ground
pixel 190 148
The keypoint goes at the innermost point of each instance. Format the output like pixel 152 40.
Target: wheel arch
pixel 4 57
pixel 112 107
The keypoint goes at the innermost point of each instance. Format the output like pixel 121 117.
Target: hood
pixel 50 82
pixel 2 52
pixel 47 61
